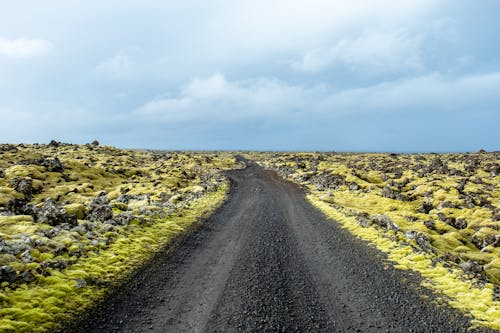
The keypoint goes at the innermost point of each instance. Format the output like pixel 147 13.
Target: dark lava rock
pixel 471 267
pixel 23 185
pixel 52 214
pixel 20 207
pixel 54 143
pixel 8 147
pixel 125 198
pixel 437 165
pixel 425 208
pixel 481 242
pixel 425 243
pixel 430 224
pixel 52 165
pixel 7 274
pixel 26 276
pixel 385 222
pixel 456 223
pixel 388 192
pixel 100 210
pixel 121 219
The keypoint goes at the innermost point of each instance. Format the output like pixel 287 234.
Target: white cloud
pixel 121 63
pixel 24 47
pixel 216 99
pixel 432 92
pixel 371 51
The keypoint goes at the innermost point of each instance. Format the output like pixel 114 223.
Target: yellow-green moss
pixel 459 293
pixel 56 298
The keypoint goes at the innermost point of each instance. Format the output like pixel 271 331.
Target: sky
pixel 386 75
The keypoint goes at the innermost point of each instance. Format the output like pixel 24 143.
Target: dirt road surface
pixel 268 261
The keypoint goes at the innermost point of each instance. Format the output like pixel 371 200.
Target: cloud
pixel 432 92
pixel 371 51
pixel 121 63
pixel 24 47
pixel 217 100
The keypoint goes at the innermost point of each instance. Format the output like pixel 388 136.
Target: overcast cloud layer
pixel 415 75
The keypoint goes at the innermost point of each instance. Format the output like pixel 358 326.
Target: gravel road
pixel 267 261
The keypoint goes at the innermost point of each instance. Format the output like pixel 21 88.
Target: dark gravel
pixel 268 261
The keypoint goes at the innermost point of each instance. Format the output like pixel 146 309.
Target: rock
pixel 95 143
pixel 125 198
pixel 124 218
pixel 481 240
pixel 387 192
pixel 471 267
pixel 8 147
pixel 425 208
pixel 437 165
pixel 456 223
pixel 54 165
pixel 54 215
pixel 26 277
pixel 100 210
pixel 424 243
pixel 23 186
pixel 430 224
pixel 410 234
pixel 20 207
pixel 363 221
pixel 101 199
pixel 445 204
pixel 26 257
pixel 80 283
pixel 164 197
pixel 7 274
pixel 451 257
pixel 385 222
pixel 100 213
pixel 54 143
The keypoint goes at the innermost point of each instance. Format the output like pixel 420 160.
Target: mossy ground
pixel 459 225
pixel 71 266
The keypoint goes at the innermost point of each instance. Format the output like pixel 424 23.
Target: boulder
pixel 7 274
pixel 471 267
pixel 100 210
pixel 54 143
pixel 53 214
pixel 23 186
pixel 426 207
pixel 385 222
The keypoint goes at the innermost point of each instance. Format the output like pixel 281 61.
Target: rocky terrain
pixel 269 261
pixel 71 214
pixel 443 207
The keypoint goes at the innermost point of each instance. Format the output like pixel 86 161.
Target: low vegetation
pixel 77 219
pixel 438 214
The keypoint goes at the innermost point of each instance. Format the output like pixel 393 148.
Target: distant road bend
pixel 268 261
